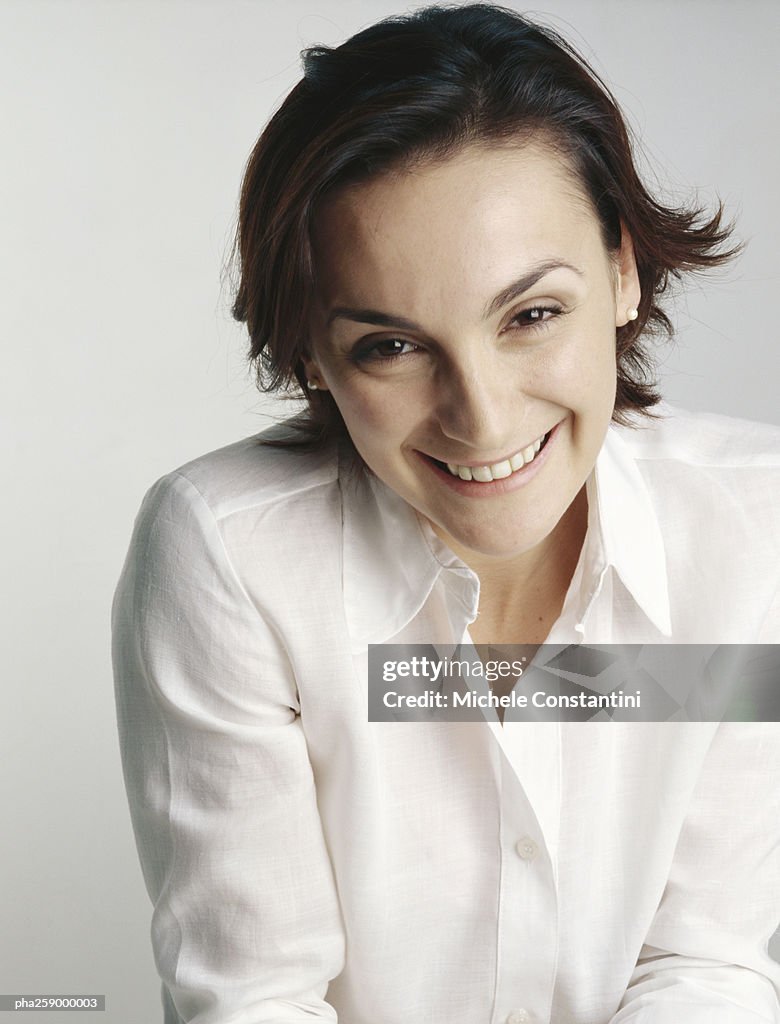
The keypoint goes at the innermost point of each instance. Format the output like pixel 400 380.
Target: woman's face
pixel 466 312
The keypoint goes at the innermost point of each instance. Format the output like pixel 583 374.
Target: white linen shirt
pixel 305 864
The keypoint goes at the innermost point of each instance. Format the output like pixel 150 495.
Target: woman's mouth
pixel 495 477
pixel 496 470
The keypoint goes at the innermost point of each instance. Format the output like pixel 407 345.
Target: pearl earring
pixel 632 314
pixel 312 385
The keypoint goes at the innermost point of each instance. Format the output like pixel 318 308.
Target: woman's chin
pixel 489 543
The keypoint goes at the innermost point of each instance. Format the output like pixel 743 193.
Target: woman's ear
pixel 627 289
pixel 314 380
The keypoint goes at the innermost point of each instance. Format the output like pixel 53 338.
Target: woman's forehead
pixel 486 210
pixel 477 175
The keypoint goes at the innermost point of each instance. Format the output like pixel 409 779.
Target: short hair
pixel 419 87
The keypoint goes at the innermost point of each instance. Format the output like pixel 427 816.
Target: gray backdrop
pixel 125 129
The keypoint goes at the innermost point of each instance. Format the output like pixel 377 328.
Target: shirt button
pixel 527 849
pixel 519 1017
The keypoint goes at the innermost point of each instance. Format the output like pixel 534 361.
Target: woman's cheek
pixel 367 407
pixel 587 372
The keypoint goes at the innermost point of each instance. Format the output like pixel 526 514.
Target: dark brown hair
pixel 421 86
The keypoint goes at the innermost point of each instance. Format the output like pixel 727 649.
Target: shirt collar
pixel 626 527
pixel 392 558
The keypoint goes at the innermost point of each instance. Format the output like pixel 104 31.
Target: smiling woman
pixel 485 369
pixel 445 246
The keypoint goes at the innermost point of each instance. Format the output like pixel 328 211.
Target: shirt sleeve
pixel 706 957
pixel 246 927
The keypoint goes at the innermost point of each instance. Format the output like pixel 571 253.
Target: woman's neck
pixel 521 597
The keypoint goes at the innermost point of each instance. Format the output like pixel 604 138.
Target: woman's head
pixel 421 90
pixel 465 315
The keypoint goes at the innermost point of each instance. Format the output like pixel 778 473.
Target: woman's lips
pixel 475 488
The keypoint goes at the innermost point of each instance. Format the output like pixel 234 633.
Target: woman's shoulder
pixel 710 484
pixel 711 477
pixel 251 474
pixel 224 542
pixel 257 505
pixel 706 440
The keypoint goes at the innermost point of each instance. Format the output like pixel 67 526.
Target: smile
pixel 498 470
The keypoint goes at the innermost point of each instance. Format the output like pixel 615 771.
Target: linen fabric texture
pixel 305 864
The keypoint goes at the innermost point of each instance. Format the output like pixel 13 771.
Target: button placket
pixel 528 917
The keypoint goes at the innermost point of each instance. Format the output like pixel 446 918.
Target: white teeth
pixel 501 470
pixel 497 470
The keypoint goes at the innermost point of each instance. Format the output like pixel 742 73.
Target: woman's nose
pixel 476 406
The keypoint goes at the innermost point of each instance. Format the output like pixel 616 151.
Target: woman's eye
pixel 387 350
pixel 390 349
pixel 535 316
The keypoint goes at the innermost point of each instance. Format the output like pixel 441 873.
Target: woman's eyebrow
pixel 512 291
pixel 528 280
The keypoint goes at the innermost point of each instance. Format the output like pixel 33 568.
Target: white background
pixel 125 129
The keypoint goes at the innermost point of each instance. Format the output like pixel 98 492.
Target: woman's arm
pixel 246 926
pixel 705 960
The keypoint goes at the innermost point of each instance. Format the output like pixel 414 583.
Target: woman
pixel 444 241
